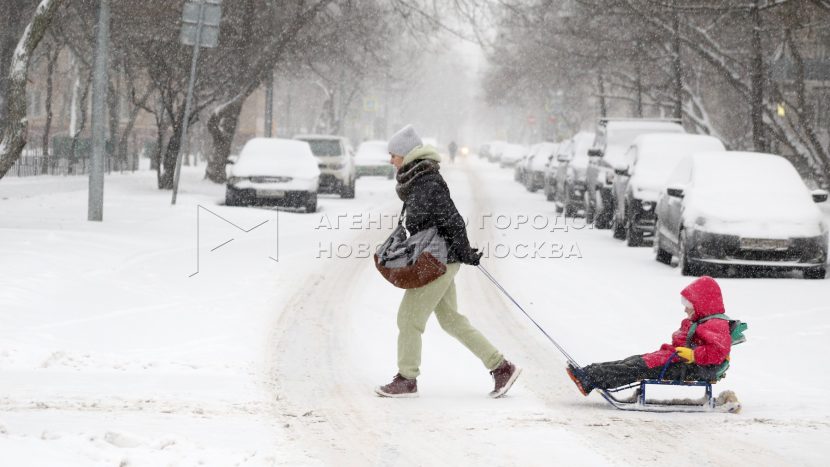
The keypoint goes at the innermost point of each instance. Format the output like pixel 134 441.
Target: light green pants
pixel 418 304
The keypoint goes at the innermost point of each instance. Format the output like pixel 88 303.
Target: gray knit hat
pixel 404 141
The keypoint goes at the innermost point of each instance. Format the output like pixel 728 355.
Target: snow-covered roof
pixel 316 136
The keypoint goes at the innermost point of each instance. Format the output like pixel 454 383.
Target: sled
pixel 725 402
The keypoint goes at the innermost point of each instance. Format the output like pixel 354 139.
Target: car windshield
pixel 372 151
pixel 757 175
pixel 325 147
pixel 624 135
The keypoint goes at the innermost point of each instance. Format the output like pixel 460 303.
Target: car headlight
pixel 647 205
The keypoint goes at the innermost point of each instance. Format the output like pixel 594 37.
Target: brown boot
pixel 399 387
pixel 504 375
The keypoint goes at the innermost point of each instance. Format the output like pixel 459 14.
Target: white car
pixel 542 157
pixel 740 209
pixel 649 162
pixel 272 170
pixel 372 158
pixel 335 157
pixel 512 154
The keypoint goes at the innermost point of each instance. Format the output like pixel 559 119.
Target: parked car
pixel 335 157
pixel 496 150
pixel 571 189
pixel 648 163
pixel 613 138
pixel 271 170
pixel 740 209
pixel 534 172
pixel 512 154
pixel 372 158
pixel 522 167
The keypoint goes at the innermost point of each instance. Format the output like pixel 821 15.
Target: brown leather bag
pixel 409 262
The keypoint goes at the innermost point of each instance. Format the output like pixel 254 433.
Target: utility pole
pixel 95 209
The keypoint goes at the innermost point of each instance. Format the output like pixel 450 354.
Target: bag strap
pixel 693 327
pixel 403 210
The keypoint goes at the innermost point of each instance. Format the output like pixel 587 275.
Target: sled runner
pixel 725 402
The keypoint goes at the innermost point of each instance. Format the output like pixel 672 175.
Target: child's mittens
pixel 686 354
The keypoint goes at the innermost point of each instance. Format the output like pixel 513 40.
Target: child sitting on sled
pixel 699 359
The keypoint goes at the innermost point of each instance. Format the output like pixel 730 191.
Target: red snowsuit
pixel 712 340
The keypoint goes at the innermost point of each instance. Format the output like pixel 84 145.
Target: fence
pixel 32 162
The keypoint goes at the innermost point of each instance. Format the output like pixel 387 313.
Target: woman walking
pixel 428 204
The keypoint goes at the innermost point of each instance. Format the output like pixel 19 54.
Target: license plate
pixel 270 193
pixel 764 244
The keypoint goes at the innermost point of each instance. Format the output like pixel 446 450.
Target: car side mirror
pixel 675 191
pixel 820 196
pixel 595 152
pixel 622 171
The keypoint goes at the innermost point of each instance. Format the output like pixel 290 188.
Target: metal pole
pixel 95 209
pixel 183 143
pixel 269 104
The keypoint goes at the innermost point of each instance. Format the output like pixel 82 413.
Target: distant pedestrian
pixel 453 149
pixel 428 204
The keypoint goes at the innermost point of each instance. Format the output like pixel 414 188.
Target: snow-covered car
pixel 335 158
pixel 541 158
pixel 613 138
pixel 512 154
pixel 740 209
pixel 648 163
pixel 570 189
pixel 372 158
pixel 272 170
pixel 496 150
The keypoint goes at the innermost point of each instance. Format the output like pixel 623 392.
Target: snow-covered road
pixel 110 353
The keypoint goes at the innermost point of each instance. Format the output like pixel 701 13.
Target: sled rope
pixel 507 294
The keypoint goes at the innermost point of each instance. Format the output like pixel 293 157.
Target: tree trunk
pixel 14 133
pixel 222 127
pixel 52 58
pixel 603 105
pixel 677 66
pixel 168 163
pixel 80 124
pixel 123 141
pixel 759 138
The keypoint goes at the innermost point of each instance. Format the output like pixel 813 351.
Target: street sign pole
pixel 183 142
pixel 95 206
pixel 198 18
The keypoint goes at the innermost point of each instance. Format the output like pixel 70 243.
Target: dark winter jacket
pixel 428 204
pixel 712 340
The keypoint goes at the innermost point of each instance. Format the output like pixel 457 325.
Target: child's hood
pixel 705 295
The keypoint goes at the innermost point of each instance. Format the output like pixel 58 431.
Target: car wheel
pixel 661 255
pixel 311 203
pixel 605 216
pixel 687 266
pixel 568 206
pixel 815 273
pixel 548 193
pixel 347 191
pixel 618 228
pixel 634 237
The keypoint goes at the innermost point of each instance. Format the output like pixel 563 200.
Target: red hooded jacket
pixel 712 340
